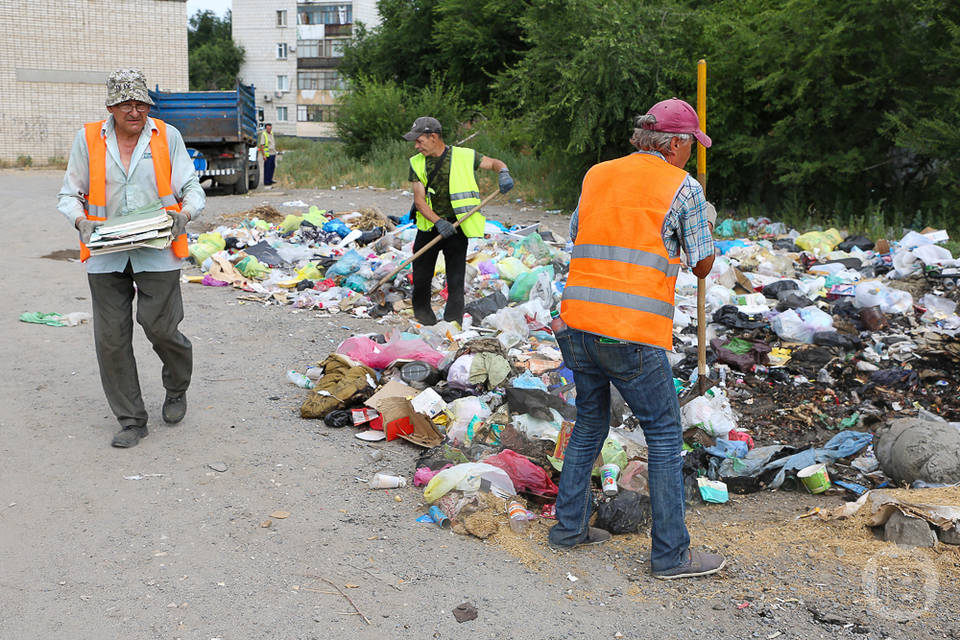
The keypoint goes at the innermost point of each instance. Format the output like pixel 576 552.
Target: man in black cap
pixel 445 190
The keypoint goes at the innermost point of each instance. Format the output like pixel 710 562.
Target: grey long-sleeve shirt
pixel 131 190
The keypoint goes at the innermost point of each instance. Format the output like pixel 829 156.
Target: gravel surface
pixel 168 539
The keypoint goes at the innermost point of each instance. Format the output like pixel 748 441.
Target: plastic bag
pixel 538 429
pixel 510 268
pixel 800 325
pixel 712 414
pixel 819 242
pixel 525 475
pixel 348 263
pixel 336 226
pixel 207 245
pixel 381 356
pixel 627 512
pixel 466 411
pixel 466 477
pixel 250 267
pixel 873 293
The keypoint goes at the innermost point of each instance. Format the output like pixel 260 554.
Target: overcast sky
pixel 219 7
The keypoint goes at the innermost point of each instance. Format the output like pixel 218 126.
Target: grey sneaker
pixel 174 408
pixel 699 563
pixel 129 437
pixel 594 536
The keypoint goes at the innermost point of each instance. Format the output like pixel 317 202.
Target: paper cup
pixel 608 479
pixel 815 478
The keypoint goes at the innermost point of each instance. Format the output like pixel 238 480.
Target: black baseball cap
pixel 422 125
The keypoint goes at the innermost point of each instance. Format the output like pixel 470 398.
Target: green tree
pixel 214 59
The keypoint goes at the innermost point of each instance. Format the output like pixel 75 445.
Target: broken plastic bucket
pixel 815 478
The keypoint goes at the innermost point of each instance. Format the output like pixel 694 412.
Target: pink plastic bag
pixel 424 475
pixel 525 475
pixel 381 356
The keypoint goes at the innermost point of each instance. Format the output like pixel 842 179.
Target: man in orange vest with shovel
pixel 130 163
pixel 635 215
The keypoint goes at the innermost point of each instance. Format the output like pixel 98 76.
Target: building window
pixel 326 14
pixel 281 51
pixel 282 18
pixel 283 83
pixel 316 113
pixel 319 79
pixel 281 114
pixel 329 48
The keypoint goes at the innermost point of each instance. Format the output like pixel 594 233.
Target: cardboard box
pixel 400 420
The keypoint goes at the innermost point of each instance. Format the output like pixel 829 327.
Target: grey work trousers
pixel 159 312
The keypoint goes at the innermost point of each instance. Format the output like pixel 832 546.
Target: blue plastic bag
pixel 350 262
pixel 336 226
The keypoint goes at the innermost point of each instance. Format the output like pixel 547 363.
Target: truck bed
pixel 209 117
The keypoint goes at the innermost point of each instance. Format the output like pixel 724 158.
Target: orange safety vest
pixel 622 280
pixel 96 205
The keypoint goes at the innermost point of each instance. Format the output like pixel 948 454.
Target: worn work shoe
pixel 174 408
pixel 594 536
pixel 129 437
pixel 699 563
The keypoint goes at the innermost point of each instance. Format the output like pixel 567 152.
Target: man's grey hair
pixel 649 140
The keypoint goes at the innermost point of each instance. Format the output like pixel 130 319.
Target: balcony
pixel 334 30
pixel 318 63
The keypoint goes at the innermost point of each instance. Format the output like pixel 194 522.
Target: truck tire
pixel 253 171
pixel 241 185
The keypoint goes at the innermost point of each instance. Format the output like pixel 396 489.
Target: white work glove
pixel 86 228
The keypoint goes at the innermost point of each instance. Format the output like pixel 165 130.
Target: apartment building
pixel 56 56
pixel 293 49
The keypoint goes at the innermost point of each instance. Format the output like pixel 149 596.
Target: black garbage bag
pixel 338 418
pixel 791 300
pixel 773 289
pixel 860 242
pixel 896 377
pixel 538 404
pixel 305 284
pixel 266 254
pixel 627 512
pixel 728 315
pixel 485 306
pixel 786 244
pixel 836 339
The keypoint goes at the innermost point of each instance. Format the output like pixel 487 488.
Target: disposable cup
pixel 608 479
pixel 815 478
pixel 385 481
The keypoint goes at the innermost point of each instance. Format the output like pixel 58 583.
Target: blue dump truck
pixel 220 131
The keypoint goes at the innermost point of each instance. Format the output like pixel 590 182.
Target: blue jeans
pixel 643 377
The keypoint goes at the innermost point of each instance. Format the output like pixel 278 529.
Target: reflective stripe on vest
pixel 464 192
pixel 96 205
pixel 622 279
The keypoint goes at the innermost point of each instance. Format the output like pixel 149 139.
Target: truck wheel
pixel 240 186
pixel 254 172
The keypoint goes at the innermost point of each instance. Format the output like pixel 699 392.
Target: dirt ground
pixel 152 542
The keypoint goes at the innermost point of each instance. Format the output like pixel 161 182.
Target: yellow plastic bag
pixel 207 245
pixel 290 224
pixel 819 242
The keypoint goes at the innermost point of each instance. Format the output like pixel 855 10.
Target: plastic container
pixel 518 516
pixel 419 374
pixel 557 325
pixel 300 380
pixel 386 481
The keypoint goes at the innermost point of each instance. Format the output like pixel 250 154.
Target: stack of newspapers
pixel 147 229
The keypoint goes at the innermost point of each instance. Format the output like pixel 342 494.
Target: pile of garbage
pixel 817 341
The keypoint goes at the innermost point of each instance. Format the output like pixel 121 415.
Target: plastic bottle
pixel 518 516
pixel 386 481
pixel 557 325
pixel 299 379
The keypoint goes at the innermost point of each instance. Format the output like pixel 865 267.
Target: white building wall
pixel 55 57
pixel 255 29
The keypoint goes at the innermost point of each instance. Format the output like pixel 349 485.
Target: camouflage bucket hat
pixel 127 84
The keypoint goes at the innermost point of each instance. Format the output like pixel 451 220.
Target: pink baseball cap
pixel 676 116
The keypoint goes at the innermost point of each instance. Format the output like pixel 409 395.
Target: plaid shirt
pixel 685 224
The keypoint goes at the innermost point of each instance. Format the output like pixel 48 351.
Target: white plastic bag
pixel 873 293
pixel 799 325
pixel 712 414
pixel 466 477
